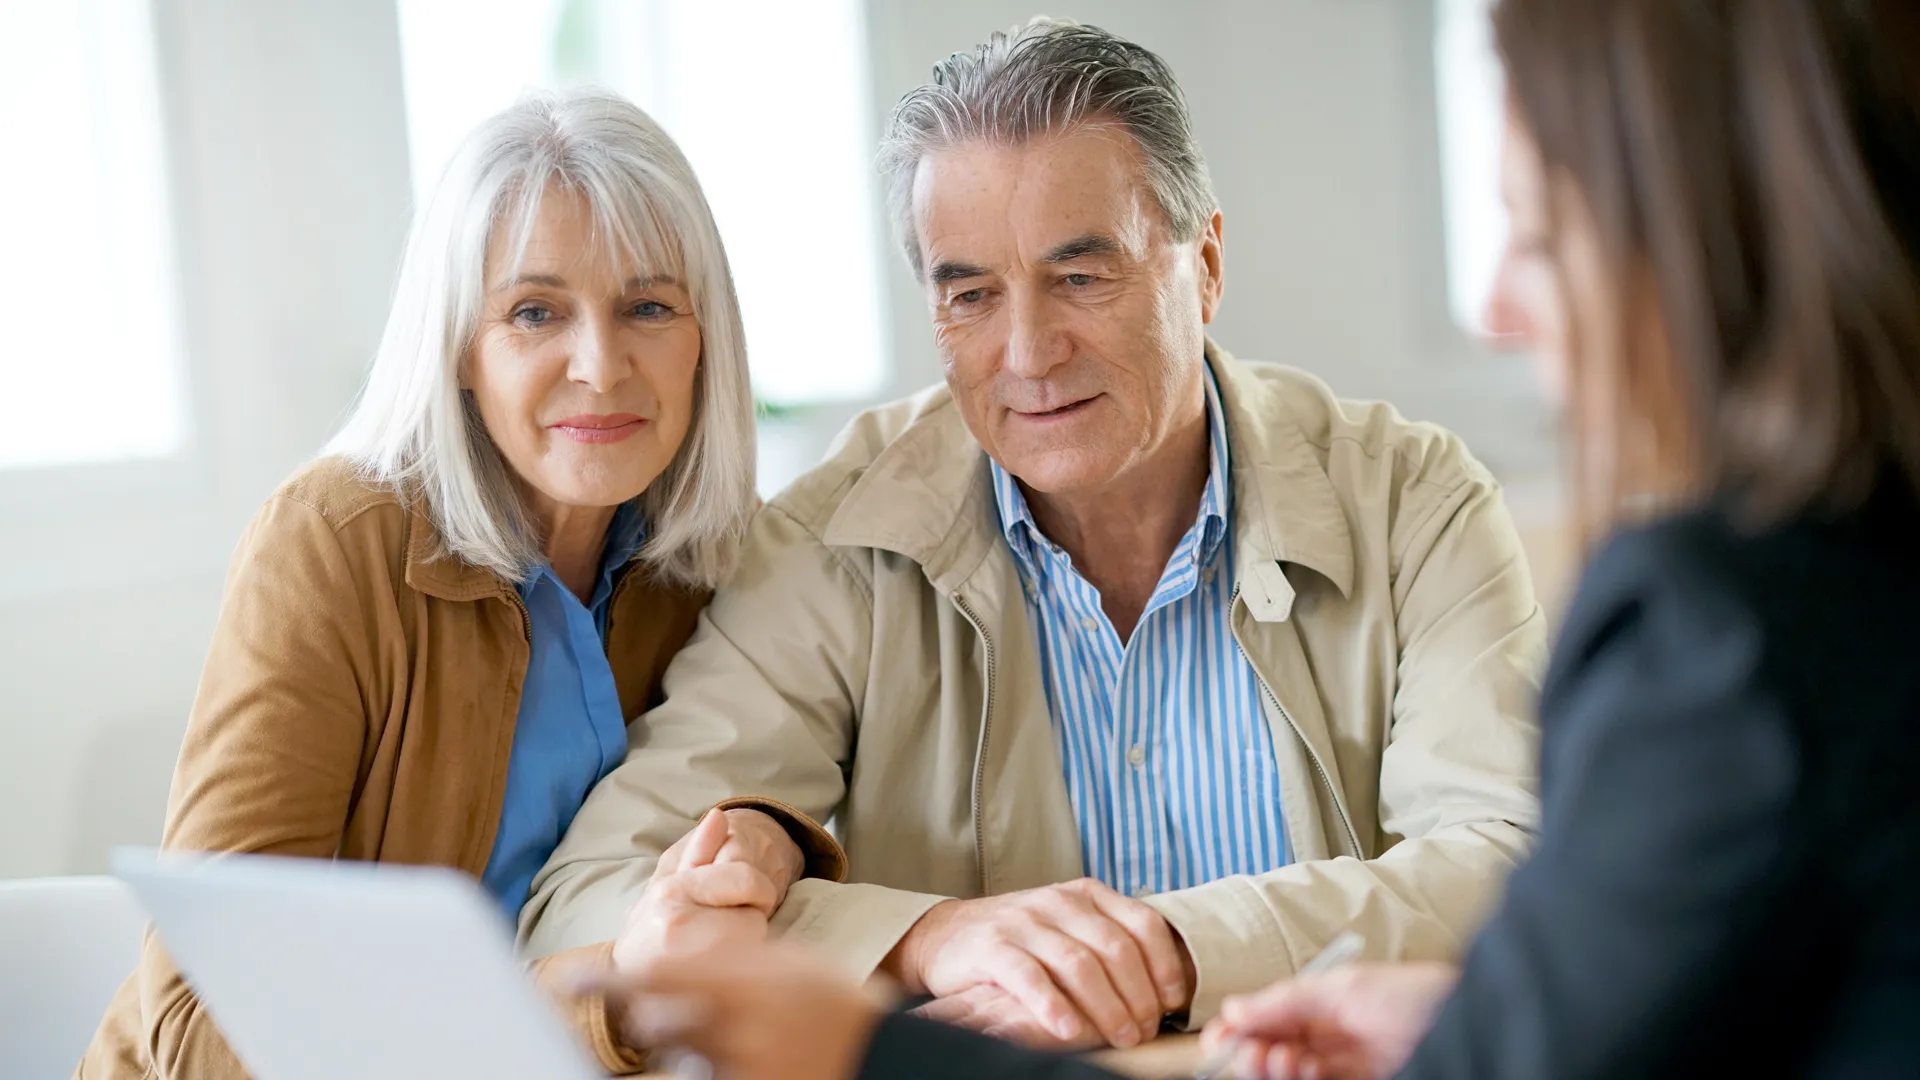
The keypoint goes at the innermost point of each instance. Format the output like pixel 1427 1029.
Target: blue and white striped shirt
pixel 1168 758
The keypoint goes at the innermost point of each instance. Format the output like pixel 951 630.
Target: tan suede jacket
pixel 872 658
pixel 358 702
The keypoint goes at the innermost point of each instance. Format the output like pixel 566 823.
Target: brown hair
pixel 1752 168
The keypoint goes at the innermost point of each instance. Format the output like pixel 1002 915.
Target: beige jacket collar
pixel 928 496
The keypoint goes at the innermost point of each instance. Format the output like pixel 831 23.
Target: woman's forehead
pixel 563 235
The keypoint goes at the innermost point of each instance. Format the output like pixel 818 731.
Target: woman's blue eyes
pixel 540 315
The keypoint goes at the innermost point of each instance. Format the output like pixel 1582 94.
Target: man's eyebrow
pixel 954 271
pixel 1082 246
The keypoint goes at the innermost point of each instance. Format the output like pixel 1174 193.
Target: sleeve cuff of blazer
pixel 825 858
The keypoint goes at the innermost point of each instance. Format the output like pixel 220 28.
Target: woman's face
pixel 583 379
pixel 1555 296
pixel 1532 291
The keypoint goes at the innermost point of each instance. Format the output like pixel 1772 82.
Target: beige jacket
pixel 873 660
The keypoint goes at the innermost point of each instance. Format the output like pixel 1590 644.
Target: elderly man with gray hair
pixel 1131 674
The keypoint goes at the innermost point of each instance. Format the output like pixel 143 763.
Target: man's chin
pixel 1061 473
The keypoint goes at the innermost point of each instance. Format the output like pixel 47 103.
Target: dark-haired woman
pixel 1716 253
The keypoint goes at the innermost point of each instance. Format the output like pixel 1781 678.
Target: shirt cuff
pixel 824 857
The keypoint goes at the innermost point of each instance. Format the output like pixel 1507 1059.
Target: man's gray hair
pixel 1049 76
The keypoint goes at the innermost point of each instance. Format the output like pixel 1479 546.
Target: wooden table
pixel 1169 1057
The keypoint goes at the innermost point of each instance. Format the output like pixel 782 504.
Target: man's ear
pixel 1213 267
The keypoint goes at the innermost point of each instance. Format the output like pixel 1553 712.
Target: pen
pixel 1341 950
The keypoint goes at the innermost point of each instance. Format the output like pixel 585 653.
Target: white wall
pixel 1317 116
pixel 290 178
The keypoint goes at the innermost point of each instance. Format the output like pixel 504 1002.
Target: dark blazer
pixel 1727 881
pixel 908 1048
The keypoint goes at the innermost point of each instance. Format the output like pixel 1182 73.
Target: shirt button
pixel 1206 576
pixel 1089 625
pixel 1137 755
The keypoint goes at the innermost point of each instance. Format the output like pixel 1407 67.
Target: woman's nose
pixel 1506 319
pixel 598 361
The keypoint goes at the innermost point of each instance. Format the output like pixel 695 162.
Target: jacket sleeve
pixel 1457 800
pixel 269 762
pixel 1673 773
pixel 758 712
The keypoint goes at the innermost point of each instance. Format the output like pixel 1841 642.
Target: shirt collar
pixel 1216 499
pixel 625 534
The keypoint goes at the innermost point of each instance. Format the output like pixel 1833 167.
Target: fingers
pixel 1283 1011
pixel 705 841
pixel 1160 951
pixel 758 841
pixel 962 1009
pixel 664 1019
pixel 1035 989
pixel 1108 982
pixel 991 1010
pixel 723 885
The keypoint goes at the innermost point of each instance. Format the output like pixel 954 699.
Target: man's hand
pixel 761 842
pixel 1352 1023
pixel 754 1012
pixel 695 901
pixel 990 1010
pixel 749 838
pixel 1075 956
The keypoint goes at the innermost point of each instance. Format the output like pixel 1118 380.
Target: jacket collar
pixel 928 495
pixel 430 570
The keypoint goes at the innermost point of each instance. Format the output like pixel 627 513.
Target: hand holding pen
pixel 1334 1020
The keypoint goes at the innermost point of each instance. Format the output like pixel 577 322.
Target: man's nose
pixel 1036 342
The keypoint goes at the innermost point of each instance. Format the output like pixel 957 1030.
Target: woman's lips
pixel 595 428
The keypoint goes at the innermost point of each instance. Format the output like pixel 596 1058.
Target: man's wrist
pixel 1189 972
pixel 902 962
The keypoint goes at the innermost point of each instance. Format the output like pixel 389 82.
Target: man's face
pixel 1070 322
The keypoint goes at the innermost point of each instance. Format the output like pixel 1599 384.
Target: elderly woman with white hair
pixel 432 637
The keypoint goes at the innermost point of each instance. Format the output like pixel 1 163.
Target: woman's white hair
pixel 414 429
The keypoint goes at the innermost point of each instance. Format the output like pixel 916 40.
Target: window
pixel 1472 111
pixel 774 121
pixel 90 362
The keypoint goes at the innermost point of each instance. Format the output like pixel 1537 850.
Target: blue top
pixel 571 730
pixel 1168 757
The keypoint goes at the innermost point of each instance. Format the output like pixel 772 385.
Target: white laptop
pixel 318 970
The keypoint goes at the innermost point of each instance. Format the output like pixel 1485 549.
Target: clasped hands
pixel 1068 966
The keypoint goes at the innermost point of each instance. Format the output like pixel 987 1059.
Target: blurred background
pixel 205 202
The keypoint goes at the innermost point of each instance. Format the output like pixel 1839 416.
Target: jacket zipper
pixel 980 752
pixel 1320 770
pixel 526 619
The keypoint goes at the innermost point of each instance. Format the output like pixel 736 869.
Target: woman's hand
pixel 753 1011
pixel 697 900
pixel 1352 1023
